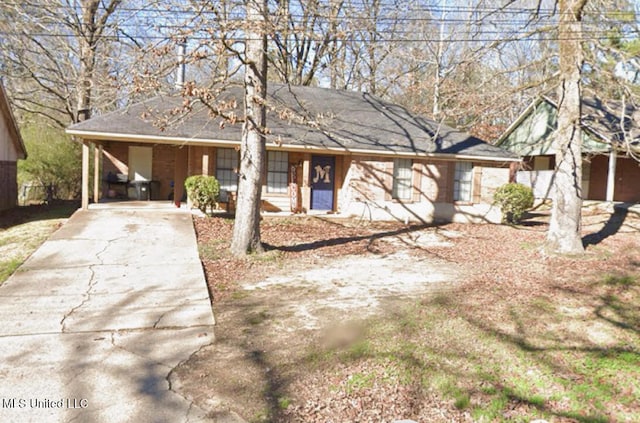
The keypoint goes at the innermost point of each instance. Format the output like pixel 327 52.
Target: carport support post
pixel 97 152
pixel 180 173
pixel 85 175
pixel 611 175
pixel 306 184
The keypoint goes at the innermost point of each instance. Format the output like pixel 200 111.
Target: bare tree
pixel 246 229
pixel 306 37
pixel 50 52
pixel 564 235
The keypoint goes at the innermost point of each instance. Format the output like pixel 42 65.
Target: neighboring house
pixel 608 171
pixel 349 152
pixel 11 150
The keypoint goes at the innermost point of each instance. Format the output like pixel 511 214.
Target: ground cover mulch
pixel 508 279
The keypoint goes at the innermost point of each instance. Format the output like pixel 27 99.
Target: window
pixel 277 172
pixel 462 181
pixel 226 169
pixel 402 179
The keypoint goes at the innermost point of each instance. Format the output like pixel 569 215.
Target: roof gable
pixel 297 117
pixel 533 132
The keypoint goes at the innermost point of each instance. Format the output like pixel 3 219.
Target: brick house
pixel 609 172
pixel 11 150
pixel 349 153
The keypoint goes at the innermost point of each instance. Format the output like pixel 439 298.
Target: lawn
pixel 511 335
pixel 24 229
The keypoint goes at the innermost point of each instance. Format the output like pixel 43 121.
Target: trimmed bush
pixel 203 191
pixel 514 200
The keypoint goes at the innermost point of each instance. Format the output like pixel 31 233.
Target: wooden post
pixel 180 173
pixel 85 175
pixel 611 176
pixel 306 186
pixel 205 161
pixel 97 152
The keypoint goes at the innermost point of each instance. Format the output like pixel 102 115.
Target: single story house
pixel 609 172
pixel 348 152
pixel 12 149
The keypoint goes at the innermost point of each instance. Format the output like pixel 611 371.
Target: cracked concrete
pixel 98 317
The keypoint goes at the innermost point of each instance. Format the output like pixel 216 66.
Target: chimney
pixel 182 51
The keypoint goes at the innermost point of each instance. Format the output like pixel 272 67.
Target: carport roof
pixel 298 118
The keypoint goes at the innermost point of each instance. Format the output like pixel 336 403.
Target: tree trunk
pixel 87 43
pixel 565 226
pixel 246 229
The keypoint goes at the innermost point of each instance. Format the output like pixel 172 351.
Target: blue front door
pixel 322 177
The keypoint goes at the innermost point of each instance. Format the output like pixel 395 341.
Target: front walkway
pixel 97 318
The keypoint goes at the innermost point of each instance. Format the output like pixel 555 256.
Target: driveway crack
pixel 87 297
pixel 92 283
pixel 171 372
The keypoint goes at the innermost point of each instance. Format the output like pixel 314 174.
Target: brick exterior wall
pixel 371 179
pixel 627 177
pixel 9 187
pixel 363 183
pixel 492 179
pixel 116 160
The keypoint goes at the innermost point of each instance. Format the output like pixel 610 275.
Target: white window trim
pixel 467 181
pixel 396 179
pixel 233 169
pixel 285 171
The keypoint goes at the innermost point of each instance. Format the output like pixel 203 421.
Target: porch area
pixel 129 174
pixel 611 178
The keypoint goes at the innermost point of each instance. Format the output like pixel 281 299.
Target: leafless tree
pixel 246 228
pixel 564 235
pixel 50 54
pixel 306 38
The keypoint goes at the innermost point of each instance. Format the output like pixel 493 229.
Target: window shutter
pixel 417 181
pixel 388 180
pixel 449 178
pixel 477 184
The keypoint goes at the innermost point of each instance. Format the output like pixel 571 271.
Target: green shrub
pixel 203 191
pixel 53 159
pixel 514 200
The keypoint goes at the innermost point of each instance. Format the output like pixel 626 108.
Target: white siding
pixel 7 148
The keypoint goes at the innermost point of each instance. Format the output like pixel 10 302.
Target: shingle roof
pixel 605 120
pixel 299 117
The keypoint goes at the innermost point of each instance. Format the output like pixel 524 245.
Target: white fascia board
pixel 89 135
pixel 148 139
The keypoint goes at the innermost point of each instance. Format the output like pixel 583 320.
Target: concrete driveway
pixel 96 319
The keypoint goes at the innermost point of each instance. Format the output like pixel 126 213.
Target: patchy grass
pixel 7 267
pixel 522 337
pixel 24 229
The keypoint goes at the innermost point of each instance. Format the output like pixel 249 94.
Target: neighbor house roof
pixel 606 124
pixel 298 118
pixel 12 126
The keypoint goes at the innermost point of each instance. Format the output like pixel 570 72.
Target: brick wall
pixel 492 179
pixel 627 177
pixel 9 186
pixel 116 160
pixel 371 178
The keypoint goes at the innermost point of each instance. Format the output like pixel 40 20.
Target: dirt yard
pixel 345 321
